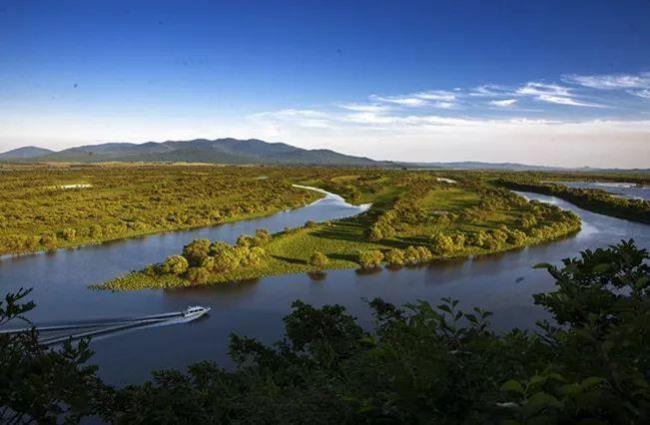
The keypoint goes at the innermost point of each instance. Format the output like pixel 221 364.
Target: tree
pixel 395 257
pixel 318 260
pixel 370 259
pixel 40 384
pixel 419 363
pixel 262 237
pixel 376 234
pixel 196 251
pixel 69 234
pixel 175 264
pixel 442 244
pixel 199 275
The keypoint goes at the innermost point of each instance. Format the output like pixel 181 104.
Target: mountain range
pixel 234 151
pixel 221 151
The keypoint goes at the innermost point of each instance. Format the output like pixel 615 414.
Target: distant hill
pixel 222 151
pixel 26 152
pixel 507 166
pixel 252 151
pixel 477 165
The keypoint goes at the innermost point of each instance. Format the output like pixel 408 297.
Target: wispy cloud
pixel 642 93
pixel 490 90
pixel 401 100
pixel 553 93
pixel 503 103
pixel 611 81
pixel 440 95
pixel 432 98
pixel 307 118
pixel 361 107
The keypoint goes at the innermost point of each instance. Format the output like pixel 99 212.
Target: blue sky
pixel 564 83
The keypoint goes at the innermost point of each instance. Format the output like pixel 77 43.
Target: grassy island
pixel 415 218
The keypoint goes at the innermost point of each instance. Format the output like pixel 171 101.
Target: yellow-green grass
pixel 342 241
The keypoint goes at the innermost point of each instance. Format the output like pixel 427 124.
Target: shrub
pixel 371 259
pixel 198 275
pixel 395 257
pixel 376 234
pixel 48 240
pixel 175 264
pixel 69 234
pixel 262 237
pixel 442 244
pixel 318 260
pixel 196 251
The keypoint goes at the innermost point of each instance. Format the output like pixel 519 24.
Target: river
pixel 502 283
pixel 622 190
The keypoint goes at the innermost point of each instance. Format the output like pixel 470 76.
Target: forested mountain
pixel 25 153
pixel 224 151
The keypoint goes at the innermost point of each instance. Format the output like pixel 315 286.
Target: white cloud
pixel 419 126
pixel 401 100
pixel 444 105
pixel 503 103
pixel 360 107
pixel 440 95
pixel 431 137
pixel 538 89
pixel 489 90
pixel 611 81
pixel 553 93
pixel 307 118
pixel 642 93
pixel 437 98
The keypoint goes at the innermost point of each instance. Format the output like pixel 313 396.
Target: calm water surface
pixel 502 283
pixel 623 190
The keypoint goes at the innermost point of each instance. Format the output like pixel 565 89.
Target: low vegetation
pixel 414 219
pixel 43 208
pixel 419 363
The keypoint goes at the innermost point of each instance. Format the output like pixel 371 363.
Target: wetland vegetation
pixel 45 207
pixel 595 200
pixel 415 218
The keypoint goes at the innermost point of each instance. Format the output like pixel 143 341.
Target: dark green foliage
pixel 426 364
pixel 42 385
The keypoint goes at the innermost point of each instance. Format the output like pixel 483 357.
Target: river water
pixel 623 190
pixel 502 283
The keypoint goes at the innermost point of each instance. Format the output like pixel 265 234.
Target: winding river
pixel 502 283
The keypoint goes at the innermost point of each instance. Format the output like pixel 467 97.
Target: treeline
pixel 42 209
pixel 590 199
pixel 416 364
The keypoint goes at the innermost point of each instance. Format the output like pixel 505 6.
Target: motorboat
pixel 194 312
